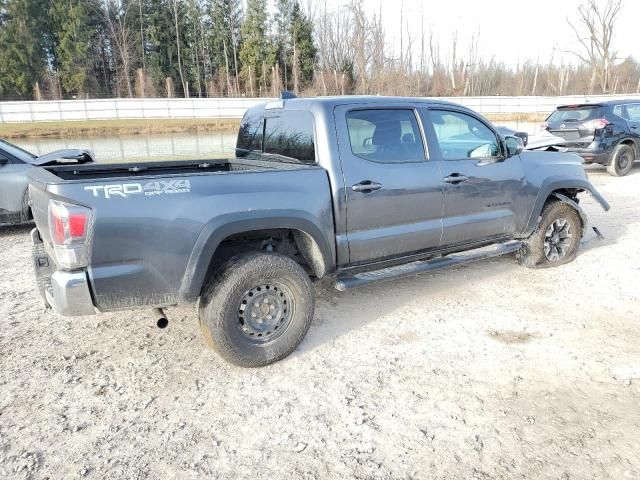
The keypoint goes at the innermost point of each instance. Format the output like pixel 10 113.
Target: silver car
pixel 14 163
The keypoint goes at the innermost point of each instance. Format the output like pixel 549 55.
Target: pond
pixel 187 146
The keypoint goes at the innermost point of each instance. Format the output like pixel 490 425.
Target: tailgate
pixel 39 201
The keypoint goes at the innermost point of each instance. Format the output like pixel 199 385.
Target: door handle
pixel 455 178
pixel 635 127
pixel 366 186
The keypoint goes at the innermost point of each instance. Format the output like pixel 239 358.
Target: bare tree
pixel 594 32
pixel 176 17
pixel 120 37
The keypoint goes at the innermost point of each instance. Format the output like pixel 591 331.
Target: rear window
pixel 16 151
pixel 284 133
pixel 576 114
pixel 290 134
pixel 249 142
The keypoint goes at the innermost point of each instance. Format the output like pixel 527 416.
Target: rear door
pixel 631 114
pixel 483 190
pixel 393 190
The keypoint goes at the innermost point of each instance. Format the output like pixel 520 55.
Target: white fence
pixel 116 109
pixel 194 108
pixel 542 105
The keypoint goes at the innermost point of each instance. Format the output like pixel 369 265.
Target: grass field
pixel 99 128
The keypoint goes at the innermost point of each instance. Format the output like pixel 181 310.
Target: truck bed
pixel 99 171
pixel 154 223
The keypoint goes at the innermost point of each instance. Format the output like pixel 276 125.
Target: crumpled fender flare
pixel 578 208
pixel 551 190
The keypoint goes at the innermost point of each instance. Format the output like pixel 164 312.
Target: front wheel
pixel 257 309
pixel 555 240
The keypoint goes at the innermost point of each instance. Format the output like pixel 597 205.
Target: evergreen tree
pixel 162 51
pixel 303 50
pixel 75 25
pixel 225 34
pixel 256 50
pixel 23 55
pixel 282 38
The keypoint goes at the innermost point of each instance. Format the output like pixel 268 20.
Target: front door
pixel 483 189
pixel 393 191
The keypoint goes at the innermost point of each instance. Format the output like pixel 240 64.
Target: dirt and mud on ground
pixel 485 371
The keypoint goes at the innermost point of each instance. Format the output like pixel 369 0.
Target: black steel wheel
pixel 265 312
pixel 257 308
pixel 622 160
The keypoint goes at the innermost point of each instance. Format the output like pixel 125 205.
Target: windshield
pixel 578 113
pixel 16 151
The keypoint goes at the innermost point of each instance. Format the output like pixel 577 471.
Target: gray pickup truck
pixel 357 188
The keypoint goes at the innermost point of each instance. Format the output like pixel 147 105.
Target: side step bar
pixel 359 279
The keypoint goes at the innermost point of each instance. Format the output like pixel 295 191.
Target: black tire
pixel 257 309
pixel 556 239
pixel 621 161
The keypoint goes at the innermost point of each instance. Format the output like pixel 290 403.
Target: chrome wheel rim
pixel 557 239
pixel 265 312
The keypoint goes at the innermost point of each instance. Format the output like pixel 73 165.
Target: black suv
pixel 607 133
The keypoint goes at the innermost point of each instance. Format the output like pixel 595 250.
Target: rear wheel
pixel 257 309
pixel 621 161
pixel 555 240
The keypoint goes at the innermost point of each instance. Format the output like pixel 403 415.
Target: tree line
pixel 60 49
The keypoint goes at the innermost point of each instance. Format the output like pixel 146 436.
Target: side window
pixel 621 111
pixel 249 144
pixel 290 133
pixel 461 136
pixel 633 112
pixel 385 135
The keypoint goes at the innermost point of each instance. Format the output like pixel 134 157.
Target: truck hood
pixel 69 155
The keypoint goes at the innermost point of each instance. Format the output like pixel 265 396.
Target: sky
pixel 510 30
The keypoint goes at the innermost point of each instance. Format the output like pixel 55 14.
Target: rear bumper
pixel 592 155
pixel 68 293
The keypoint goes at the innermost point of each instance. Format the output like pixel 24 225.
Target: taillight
pixel 597 123
pixel 70 227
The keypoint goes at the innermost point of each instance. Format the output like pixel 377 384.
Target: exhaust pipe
pixel 162 320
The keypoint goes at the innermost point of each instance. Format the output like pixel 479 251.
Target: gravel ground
pixel 484 371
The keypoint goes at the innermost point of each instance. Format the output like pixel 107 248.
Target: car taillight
pixel 597 123
pixel 70 228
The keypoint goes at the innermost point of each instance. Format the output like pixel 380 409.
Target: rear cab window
pixel 277 135
pixel 249 143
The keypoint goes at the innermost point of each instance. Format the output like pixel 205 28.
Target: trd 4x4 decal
pixel 156 187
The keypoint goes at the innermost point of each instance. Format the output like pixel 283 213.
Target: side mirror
pixel 3 161
pixel 514 145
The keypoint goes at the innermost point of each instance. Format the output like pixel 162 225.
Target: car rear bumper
pixel 592 155
pixel 68 293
